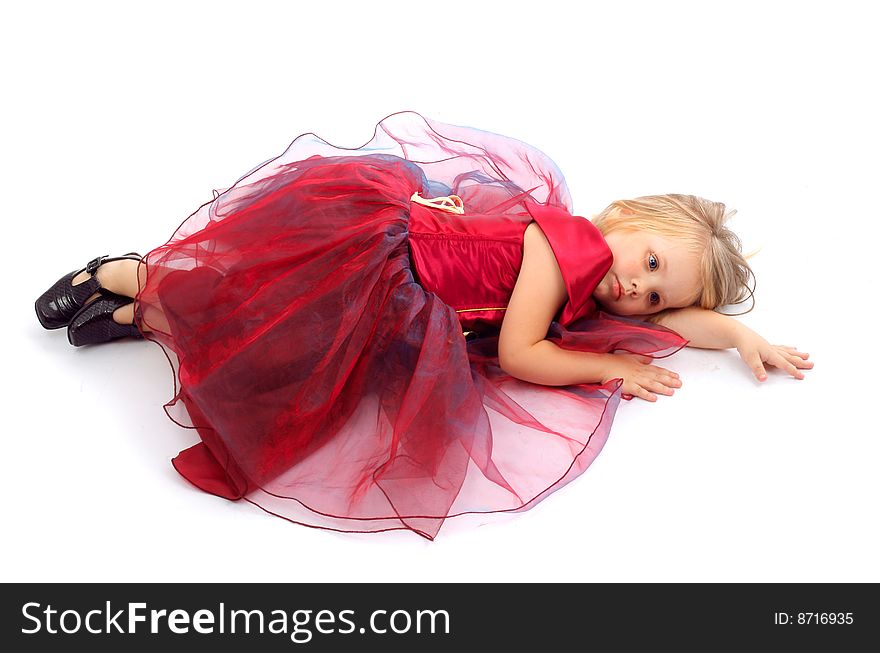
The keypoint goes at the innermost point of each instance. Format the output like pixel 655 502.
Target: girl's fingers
pixel 659 388
pixel 780 362
pixel 754 361
pixel 793 350
pixel 637 390
pixel 667 379
pixel 644 394
pixel 671 381
pixel 799 362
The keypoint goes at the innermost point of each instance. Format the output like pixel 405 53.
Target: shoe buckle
pixel 93 265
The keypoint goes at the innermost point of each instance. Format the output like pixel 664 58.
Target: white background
pixel 118 121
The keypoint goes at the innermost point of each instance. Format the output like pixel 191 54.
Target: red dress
pixel 335 340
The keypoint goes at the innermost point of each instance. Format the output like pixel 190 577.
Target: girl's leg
pixel 120 277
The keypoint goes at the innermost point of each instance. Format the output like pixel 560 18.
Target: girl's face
pixel 650 272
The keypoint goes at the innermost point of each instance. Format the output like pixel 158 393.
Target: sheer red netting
pixel 327 386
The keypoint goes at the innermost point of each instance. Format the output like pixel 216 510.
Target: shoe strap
pixel 93 265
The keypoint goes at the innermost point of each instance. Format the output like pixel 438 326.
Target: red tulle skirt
pixel 326 385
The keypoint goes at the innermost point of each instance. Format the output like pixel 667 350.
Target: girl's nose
pixel 634 288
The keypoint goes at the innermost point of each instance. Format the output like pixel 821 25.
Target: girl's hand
pixel 640 377
pixel 756 351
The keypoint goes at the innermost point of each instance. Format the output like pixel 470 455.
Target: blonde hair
pixel 699 225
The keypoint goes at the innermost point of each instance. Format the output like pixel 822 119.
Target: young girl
pixel 384 337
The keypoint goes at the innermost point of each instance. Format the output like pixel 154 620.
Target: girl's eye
pixel 654 298
pixel 653 263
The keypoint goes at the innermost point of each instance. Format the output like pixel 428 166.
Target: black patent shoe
pixel 57 306
pixel 94 323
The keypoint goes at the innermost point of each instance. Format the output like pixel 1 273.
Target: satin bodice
pixel 472 261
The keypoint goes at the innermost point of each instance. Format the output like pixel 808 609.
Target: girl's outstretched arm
pixel 524 351
pixel 710 330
